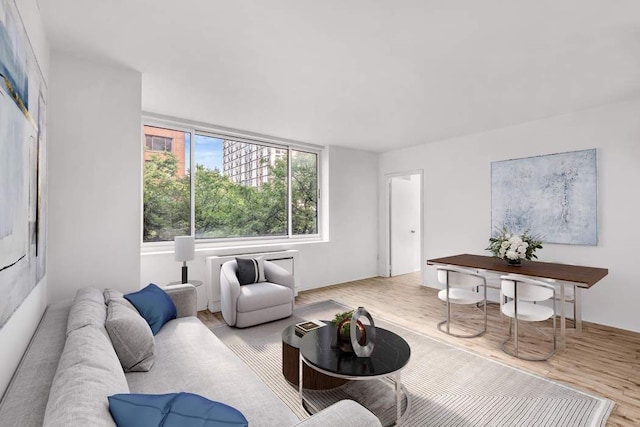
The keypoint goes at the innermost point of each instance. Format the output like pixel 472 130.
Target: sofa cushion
pixel 154 305
pixel 250 270
pixel 88 309
pixel 131 337
pixel 88 373
pixel 113 294
pixel 263 295
pixel 173 409
pixel 192 359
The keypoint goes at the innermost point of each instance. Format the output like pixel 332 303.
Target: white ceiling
pixel 368 74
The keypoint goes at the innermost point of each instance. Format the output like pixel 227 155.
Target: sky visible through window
pixel 208 151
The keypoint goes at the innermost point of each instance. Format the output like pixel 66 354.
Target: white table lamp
pixel 184 251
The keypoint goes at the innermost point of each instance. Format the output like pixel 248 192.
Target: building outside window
pixel 239 189
pixel 158 143
pixel 167 184
pixel 241 160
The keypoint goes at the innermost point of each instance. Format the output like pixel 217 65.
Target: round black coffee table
pixel 390 355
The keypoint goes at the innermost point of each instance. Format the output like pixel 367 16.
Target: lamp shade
pixel 185 248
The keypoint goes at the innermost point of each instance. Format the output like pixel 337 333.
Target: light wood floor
pixel 600 359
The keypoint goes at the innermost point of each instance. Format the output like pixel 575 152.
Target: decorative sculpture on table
pixel 360 349
pixel 351 334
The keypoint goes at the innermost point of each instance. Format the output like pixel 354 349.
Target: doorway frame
pixel 388 195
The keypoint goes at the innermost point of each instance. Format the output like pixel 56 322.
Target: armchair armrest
pixel 229 291
pixel 276 274
pixel 184 297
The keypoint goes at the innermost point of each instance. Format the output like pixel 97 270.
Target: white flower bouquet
pixel 513 248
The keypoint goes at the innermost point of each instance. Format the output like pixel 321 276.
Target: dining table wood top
pixel 582 276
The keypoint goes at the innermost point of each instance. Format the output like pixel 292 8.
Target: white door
pixel 405 233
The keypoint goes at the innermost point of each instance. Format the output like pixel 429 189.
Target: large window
pixel 237 189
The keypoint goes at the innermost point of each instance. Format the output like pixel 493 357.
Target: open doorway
pixel 405 223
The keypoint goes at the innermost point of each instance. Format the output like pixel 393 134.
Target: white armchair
pixel 261 302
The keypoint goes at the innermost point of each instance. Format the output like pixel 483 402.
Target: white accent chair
pixel 462 286
pixel 522 296
pixel 248 305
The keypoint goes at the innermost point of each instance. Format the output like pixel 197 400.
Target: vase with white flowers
pixel 512 247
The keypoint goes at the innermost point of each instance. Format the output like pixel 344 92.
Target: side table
pixel 195 283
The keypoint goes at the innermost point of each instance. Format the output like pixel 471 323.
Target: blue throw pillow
pixel 154 305
pixel 169 410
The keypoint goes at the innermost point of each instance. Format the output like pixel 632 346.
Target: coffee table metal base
pixel 394 377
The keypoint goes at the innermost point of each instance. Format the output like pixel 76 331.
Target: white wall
pixel 457 197
pixel 16 333
pixel 94 176
pixel 350 178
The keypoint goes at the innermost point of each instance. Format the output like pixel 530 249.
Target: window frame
pixel 207 130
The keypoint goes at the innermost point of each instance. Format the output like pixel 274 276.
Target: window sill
pixel 229 247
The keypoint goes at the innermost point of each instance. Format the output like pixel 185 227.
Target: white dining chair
pixel 570 290
pixel 522 297
pixel 462 287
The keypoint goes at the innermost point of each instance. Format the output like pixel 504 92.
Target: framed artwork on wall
pixel 553 196
pixel 23 95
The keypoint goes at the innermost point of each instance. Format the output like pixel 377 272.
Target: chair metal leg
pixel 554 337
pixel 447 322
pixel 481 332
pixel 519 355
pixel 448 314
pixel 485 307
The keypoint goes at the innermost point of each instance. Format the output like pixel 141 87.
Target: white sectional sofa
pixel 71 367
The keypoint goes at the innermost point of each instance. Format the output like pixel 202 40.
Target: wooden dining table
pixel 577 276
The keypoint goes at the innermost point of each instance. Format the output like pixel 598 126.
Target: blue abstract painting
pixel 552 196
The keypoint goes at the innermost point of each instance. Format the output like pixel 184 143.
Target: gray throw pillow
pixel 131 337
pixel 113 294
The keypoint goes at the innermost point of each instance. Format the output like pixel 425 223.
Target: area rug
pixel 447 385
